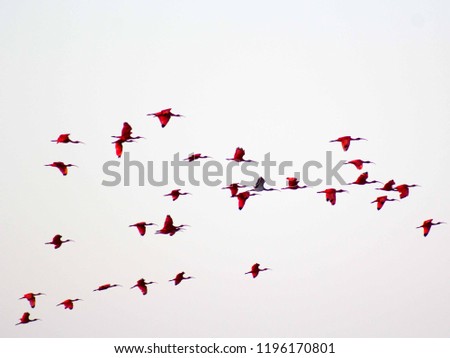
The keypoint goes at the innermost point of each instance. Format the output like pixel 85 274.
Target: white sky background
pixel 283 78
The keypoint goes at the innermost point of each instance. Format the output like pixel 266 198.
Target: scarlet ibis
pixel 106 286
pixel 169 227
pixel 195 156
pixel 403 189
pixel 141 226
pixel 142 285
pixel 180 277
pixel 57 241
pixel 118 144
pixel 164 116
pixel 381 200
pixel 427 224
pixel 68 304
pixel 345 141
pixel 239 156
pixel 330 194
pixel 125 135
pixel 61 166
pixel 358 163
pixel 234 188
pixel 31 297
pixel 259 186
pixel 293 184
pixel 256 270
pixel 362 179
pixel 389 186
pixel 242 198
pixel 64 138
pixel 176 193
pixel 26 319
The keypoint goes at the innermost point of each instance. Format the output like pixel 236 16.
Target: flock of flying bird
pixel 170 229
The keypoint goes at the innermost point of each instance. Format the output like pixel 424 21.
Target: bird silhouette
pixel 234 188
pixel 427 224
pixel 242 198
pixel 169 228
pixel 142 285
pixel 358 163
pixel 389 186
pixel 64 138
pixel 141 226
pixel 381 200
pixel 345 141
pixel 175 194
pixel 330 194
pixel 106 286
pixel 292 184
pixel 195 156
pixel 239 156
pixel 164 116
pixel 259 185
pixel 31 297
pixel 68 304
pixel 256 270
pixel 362 180
pixel 403 189
pixel 63 168
pixel 57 241
pixel 180 277
pixel 26 319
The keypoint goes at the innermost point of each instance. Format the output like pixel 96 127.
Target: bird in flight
pixel 169 227
pixel 345 141
pixel 64 138
pixel 175 194
pixel 106 286
pixel 362 180
pixel 239 156
pixel 381 200
pixel 358 163
pixel 242 198
pixel 195 156
pixel 63 168
pixel 292 183
pixel 403 189
pixel 259 185
pixel 141 226
pixel 427 224
pixel 68 304
pixel 164 116
pixel 26 319
pixel 57 241
pixel 389 186
pixel 234 188
pixel 125 137
pixel 142 285
pixel 330 194
pixel 180 277
pixel 256 270
pixel 31 297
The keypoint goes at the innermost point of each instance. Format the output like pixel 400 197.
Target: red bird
pixel 125 135
pixel 239 156
pixel 358 163
pixel 234 188
pixel 293 184
pixel 68 304
pixel 193 157
pixel 427 224
pixel 57 241
pixel 169 227
pixel 142 285
pixel 256 270
pixel 61 166
pixel 180 277
pixel 106 286
pixel 242 198
pixel 164 116
pixel 362 179
pixel 381 200
pixel 175 194
pixel 403 189
pixel 345 141
pixel 389 186
pixel 141 226
pixel 31 297
pixel 330 194
pixel 64 138
pixel 26 319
